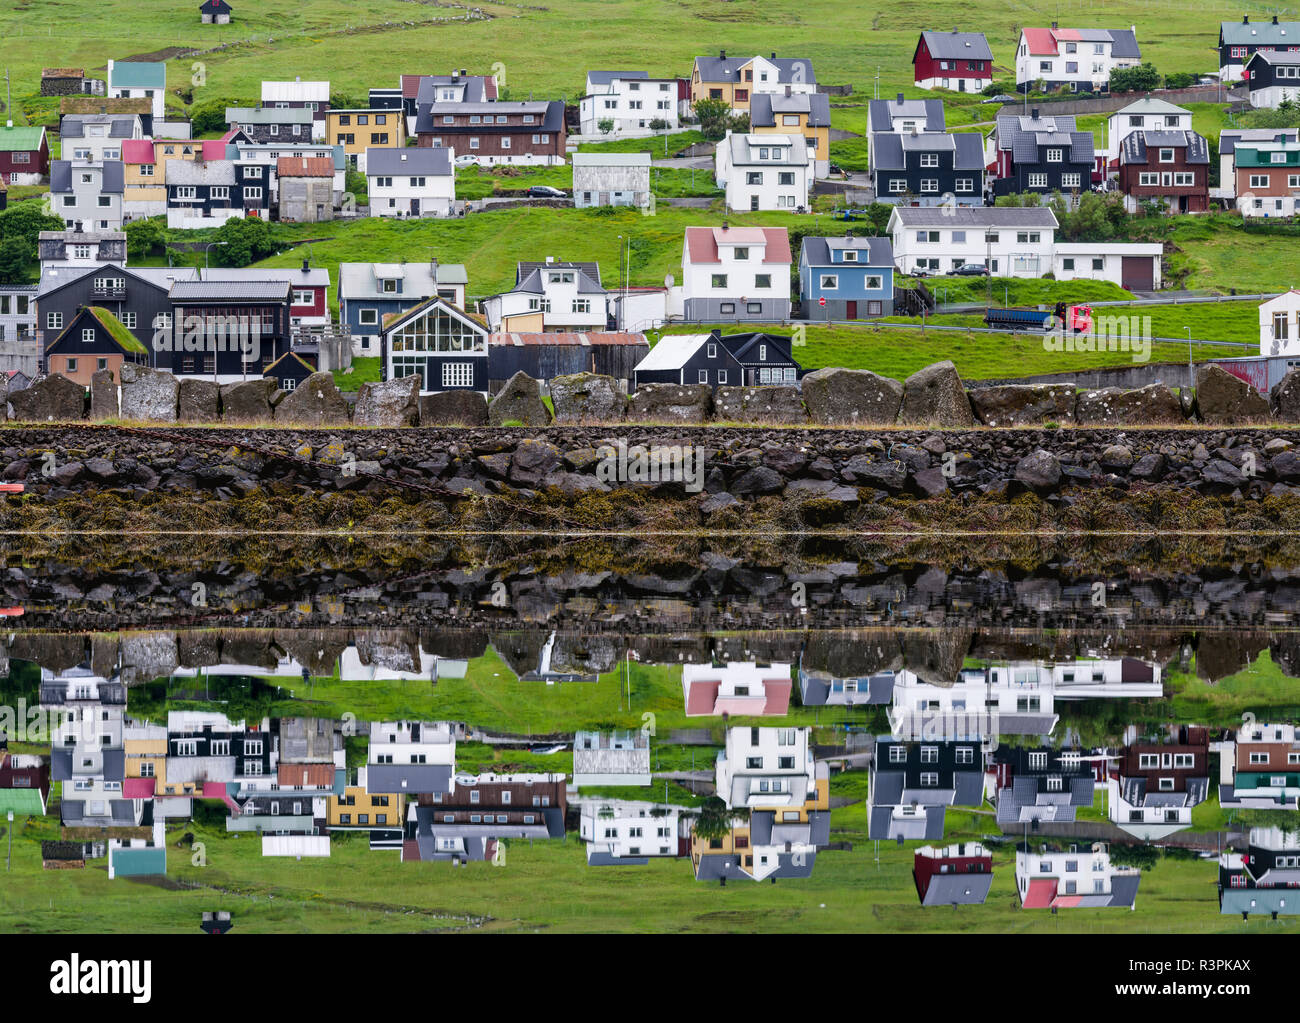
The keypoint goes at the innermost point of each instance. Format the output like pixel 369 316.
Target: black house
pixel 1042 154
pixel 926 167
pixel 94 340
pixel 734 360
pixel 442 344
pixel 289 370
pixel 138 301
pixel 228 330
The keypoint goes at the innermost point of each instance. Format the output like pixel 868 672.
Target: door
pixel 961 85
pixel 850 310
pixel 415 207
pixel 1137 273
pixel 753 202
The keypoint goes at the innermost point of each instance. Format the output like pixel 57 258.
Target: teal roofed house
pixel 139 80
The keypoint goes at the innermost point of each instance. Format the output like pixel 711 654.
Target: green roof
pixel 138 74
pixel 1247 157
pixel 117 331
pixel 21 802
pixel 21 138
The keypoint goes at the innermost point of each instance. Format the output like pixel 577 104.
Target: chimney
pixel 900 98
pixel 774 52
pixel 725 225
pixel 722 54
pixel 306 266
pixel 1245 19
pixel 787 90
pixel 550 259
pixel 1053 26
pixel 1275 19
pixel 1034 111
pixel 9 124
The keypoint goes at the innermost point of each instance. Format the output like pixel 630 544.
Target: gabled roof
pixel 955 45
pixel 525 270
pixel 111 176
pixel 432 161
pixel 359 280
pixel 672 351
pixel 127 341
pixel 978 216
pixel 605 77
pixel 958 889
pixel 192 172
pixel 219 6
pixel 292 359
pixel 120 126
pixel 1137 144
pixel 230 291
pixel 21 138
pixel 134 74
pixel 1273 57
pixel 610 159
pixel 817 251
pixel 478 88
pixel 1229 137
pixel 881 113
pixel 1258 33
pixel 136 151
pixel 890 149
pixel 702 242
pixel 726 69
pixel 793 152
pixel 1150 105
pixel 1044 42
pixel 548 116
pixel 295 92
pixel 764 107
pixel 391 323
pixel 304 167
pixel 269 115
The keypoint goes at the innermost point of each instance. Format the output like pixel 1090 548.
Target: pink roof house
pixel 737 689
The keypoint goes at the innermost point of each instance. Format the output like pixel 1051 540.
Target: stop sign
pixel 822 300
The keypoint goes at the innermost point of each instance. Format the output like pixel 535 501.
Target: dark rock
pixel 1023 404
pixel 1285 466
pixel 1040 470
pixel 1221 475
pixel 713 503
pixel 587 398
pixel 759 405
pixel 849 396
pixel 52 399
pixel 316 401
pixel 248 401
pixel 935 396
pixel 760 480
pixel 1113 406
pixel 1224 398
pixel 519 402
pixel 885 474
pixel 1150 466
pixel 453 408
pixel 104 396
pixel 1116 456
pixel 929 483
pixel 388 403
pixel 788 461
pixel 670 403
pixel 197 401
pixel 532 461
pixel 149 395
pixel 1284 398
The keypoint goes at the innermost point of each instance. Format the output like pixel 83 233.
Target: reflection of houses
pixel 1265 878
pixel 547 672
pixel 467 824
pixel 1041 784
pixel 766 767
pixel 913 784
pixel 824 689
pixel 24 784
pixel 611 758
pixel 1152 790
pixel 1073 878
pixel 624 833
pixel 737 688
pixel 87 755
pixel 411 757
pixel 1260 768
pixel 356 808
pixel 956 875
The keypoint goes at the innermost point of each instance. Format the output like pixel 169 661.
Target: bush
pixel 1142 78
pixel 1141 856
pixel 1180 80
pixel 210 115
pixel 145 237
pixel 605 125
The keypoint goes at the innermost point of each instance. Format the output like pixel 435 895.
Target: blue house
pixel 854 275
pixel 370 292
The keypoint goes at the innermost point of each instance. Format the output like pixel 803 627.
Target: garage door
pixel 1137 273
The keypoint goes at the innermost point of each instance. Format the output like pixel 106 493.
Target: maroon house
pixel 960 61
pixel 26 774
pixel 958 875
pixel 23 150
pixel 500 132
pixel 1169 165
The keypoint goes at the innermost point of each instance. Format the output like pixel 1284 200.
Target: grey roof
pixel 111 176
pixel 764 106
pixel 1273 57
pixel 359 281
pixel 879 252
pixel 1258 900
pixel 229 291
pixel 605 77
pixel 958 889
pixel 527 275
pixel 716 866
pixel 1136 144
pixel 552 116
pixel 433 161
pixel 269 115
pixel 1124 889
pixel 121 813
pixel 740 145
pixel 73 126
pixel 764 829
pixel 1013 128
pixel 1229 137
pixel 983 216
pixel 956 45
pixel 1279 877
pixel 417 777
pixel 112 765
pixel 475 88
pixel 1123 43
pixel 889 149
pixel 604 859
pixel 927 826
pixel 1258 33
pixel 724 69
pixel 193 172
pixel 1150 105
pixel 881 113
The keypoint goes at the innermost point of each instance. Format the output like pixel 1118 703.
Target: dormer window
pixel 1054 155
pixel 741 252
pixel 1167 155
pixel 388 286
pixel 849 256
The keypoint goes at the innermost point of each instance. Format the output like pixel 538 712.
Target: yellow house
pixel 357 808
pixel 736 80
pixel 359 130
pixel 807 115
pixel 145 748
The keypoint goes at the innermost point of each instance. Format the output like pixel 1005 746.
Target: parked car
pixel 468 160
pixel 971 270
pixel 1001 98
pixel 546 192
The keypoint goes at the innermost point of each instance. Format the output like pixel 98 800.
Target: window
pixel 1185 179
pixel 965 185
pixel 458 374
pixel 719 280
pixel 1027 237
pixel 929 159
pixel 929 779
pixel 88 335
pixel 1070 180
pixel 762 280
pixel 929 754
pixel 897 185
pixel 704 376
pixel 368 317
pixel 1067 263
pixel 253 192
pixel 1259 181
pixel 929 184
pixel 1037 180
pixel 830 282
pixel 1054 155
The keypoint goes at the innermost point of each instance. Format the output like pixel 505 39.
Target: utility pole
pixel 8 97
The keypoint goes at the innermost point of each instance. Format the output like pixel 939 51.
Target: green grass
pixel 364 369
pixel 1259 686
pixel 659 147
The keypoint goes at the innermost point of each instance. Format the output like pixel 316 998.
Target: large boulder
pixel 851 396
pixel 199 401
pixel 670 403
pixel 1039 471
pixel 52 399
pixel 532 460
pixel 935 396
pixel 1023 404
pixel 1284 398
pixel 1114 406
pixel 149 395
pixel 519 402
pixel 775 404
pixel 1222 398
pixel 453 408
pixel 587 398
pixel 248 401
pixel 388 403
pixel 314 402
pixel 105 397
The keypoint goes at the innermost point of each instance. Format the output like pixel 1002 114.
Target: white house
pixel 87 192
pixel 1010 241
pixel 1076 876
pixel 766 768
pixel 94 138
pixel 270 154
pixel 140 80
pixel 737 688
pixel 1132 265
pixel 611 758
pixel 1144 115
pixel 611 179
pixel 1074 59
pixel 1279 324
pixel 631 99
pixel 550 296
pixel 621 832
pixel 411 757
pixel 411 182
pixel 763 172
pixel 313 96
pixel 736 273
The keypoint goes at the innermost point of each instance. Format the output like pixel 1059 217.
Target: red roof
pixel 410 86
pixel 310 776
pixel 1040 40
pixel 138 788
pixel 304 167
pixel 701 697
pixel 137 151
pixel 215 149
pixel 571 339
pixel 1041 893
pixel 702 242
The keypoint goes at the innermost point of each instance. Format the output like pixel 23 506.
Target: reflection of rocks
pixel 317 651
pixel 198 649
pixel 1220 654
pixel 454 643
pixel 251 647
pixel 768 647
pixel 148 655
pixel 937 656
pixel 58 653
pixel 694 648
pixel 853 653
pixel 1285 651
pixel 585 653
pixel 392 649
pixel 521 651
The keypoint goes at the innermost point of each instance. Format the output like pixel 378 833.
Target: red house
pixel 958 875
pixel 1170 165
pixel 24 155
pixel 960 61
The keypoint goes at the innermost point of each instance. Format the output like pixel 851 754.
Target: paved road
pixel 685 163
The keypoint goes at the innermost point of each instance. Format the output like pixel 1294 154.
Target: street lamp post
pixel 1191 374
